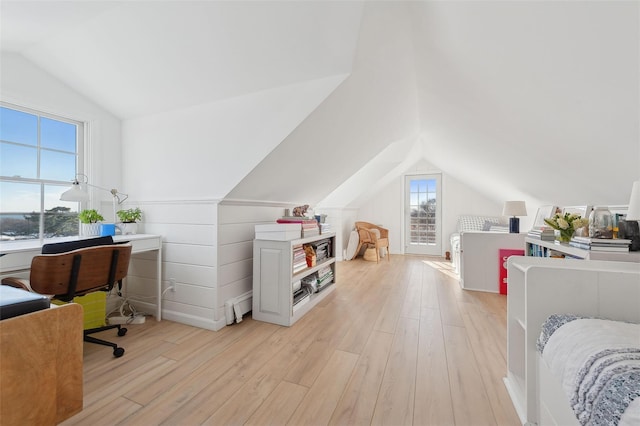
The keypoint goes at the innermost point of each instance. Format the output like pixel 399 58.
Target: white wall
pixel 236 231
pixel 386 206
pixel 24 84
pixel 189 232
pixel 203 151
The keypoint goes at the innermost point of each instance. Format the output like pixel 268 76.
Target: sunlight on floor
pixel 445 267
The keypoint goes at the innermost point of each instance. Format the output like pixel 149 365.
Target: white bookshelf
pixel 273 279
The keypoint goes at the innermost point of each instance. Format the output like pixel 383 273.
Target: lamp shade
pixel 514 208
pixel 75 193
pixel 633 213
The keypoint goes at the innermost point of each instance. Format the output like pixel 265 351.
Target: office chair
pixel 65 274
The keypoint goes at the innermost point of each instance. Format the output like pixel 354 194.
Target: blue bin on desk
pixel 107 229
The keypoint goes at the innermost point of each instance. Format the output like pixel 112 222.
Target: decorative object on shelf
pixel 566 224
pixel 629 227
pixel 513 209
pixel 300 211
pixel 76 193
pixel 89 226
pixel 128 219
pixel 600 223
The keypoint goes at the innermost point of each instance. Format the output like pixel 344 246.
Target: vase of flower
pixel 564 235
pixel 566 225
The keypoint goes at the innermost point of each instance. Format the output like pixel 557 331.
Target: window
pixel 39 156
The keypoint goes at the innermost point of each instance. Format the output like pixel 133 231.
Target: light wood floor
pixel 397 343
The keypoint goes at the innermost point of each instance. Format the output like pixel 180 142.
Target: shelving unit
pixel 273 279
pixel 541 248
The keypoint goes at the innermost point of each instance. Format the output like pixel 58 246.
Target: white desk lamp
pixel 76 193
pixel 513 209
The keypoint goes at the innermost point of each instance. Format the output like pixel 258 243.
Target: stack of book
pixel 311 282
pixel 309 226
pixel 300 297
pixel 325 277
pixel 325 227
pixel 299 258
pixel 545 233
pixel 601 244
pixel 322 249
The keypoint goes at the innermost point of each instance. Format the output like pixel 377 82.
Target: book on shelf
pixel 299 258
pixel 579 245
pixel 310 232
pixel 620 249
pixel 296 219
pixel 600 241
pixel 545 233
pixel 600 247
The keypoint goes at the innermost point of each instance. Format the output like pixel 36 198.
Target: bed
pixel 589 371
pixel 471 223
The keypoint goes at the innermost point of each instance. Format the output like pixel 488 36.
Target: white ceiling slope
pixel 528 100
pixel 532 100
pixel 373 107
pixel 137 58
pixel 519 99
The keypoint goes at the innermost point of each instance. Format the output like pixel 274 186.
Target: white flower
pixel 562 224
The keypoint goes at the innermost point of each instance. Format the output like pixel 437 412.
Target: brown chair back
pixel 81 271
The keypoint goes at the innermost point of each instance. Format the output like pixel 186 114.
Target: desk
pixel 15 256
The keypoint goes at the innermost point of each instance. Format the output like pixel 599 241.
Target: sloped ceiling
pixel 137 58
pixel 520 100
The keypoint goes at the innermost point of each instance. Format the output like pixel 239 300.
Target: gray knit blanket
pixel 607 380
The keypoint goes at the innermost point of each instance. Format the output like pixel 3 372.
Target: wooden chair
pixel 368 234
pixel 79 272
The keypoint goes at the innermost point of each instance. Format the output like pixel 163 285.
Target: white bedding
pixel 588 356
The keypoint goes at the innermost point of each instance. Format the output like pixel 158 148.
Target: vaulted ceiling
pixel 518 99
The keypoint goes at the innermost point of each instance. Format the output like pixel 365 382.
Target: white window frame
pixel 81 132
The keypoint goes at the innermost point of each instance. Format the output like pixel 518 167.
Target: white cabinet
pixel 274 279
pixel 540 287
pixel 479 258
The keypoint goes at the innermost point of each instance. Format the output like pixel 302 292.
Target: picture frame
pixel 583 211
pixel 543 213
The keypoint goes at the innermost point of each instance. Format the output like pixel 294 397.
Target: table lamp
pixel 76 193
pixel 513 209
pixel 629 228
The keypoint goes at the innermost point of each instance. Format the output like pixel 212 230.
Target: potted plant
pixel 89 225
pixel 129 219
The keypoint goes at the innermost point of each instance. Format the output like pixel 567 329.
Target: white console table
pixel 15 256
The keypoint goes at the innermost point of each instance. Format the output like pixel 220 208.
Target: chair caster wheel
pixel 118 352
pixel 122 332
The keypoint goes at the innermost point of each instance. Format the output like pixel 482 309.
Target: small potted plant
pixel 89 225
pixel 129 219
